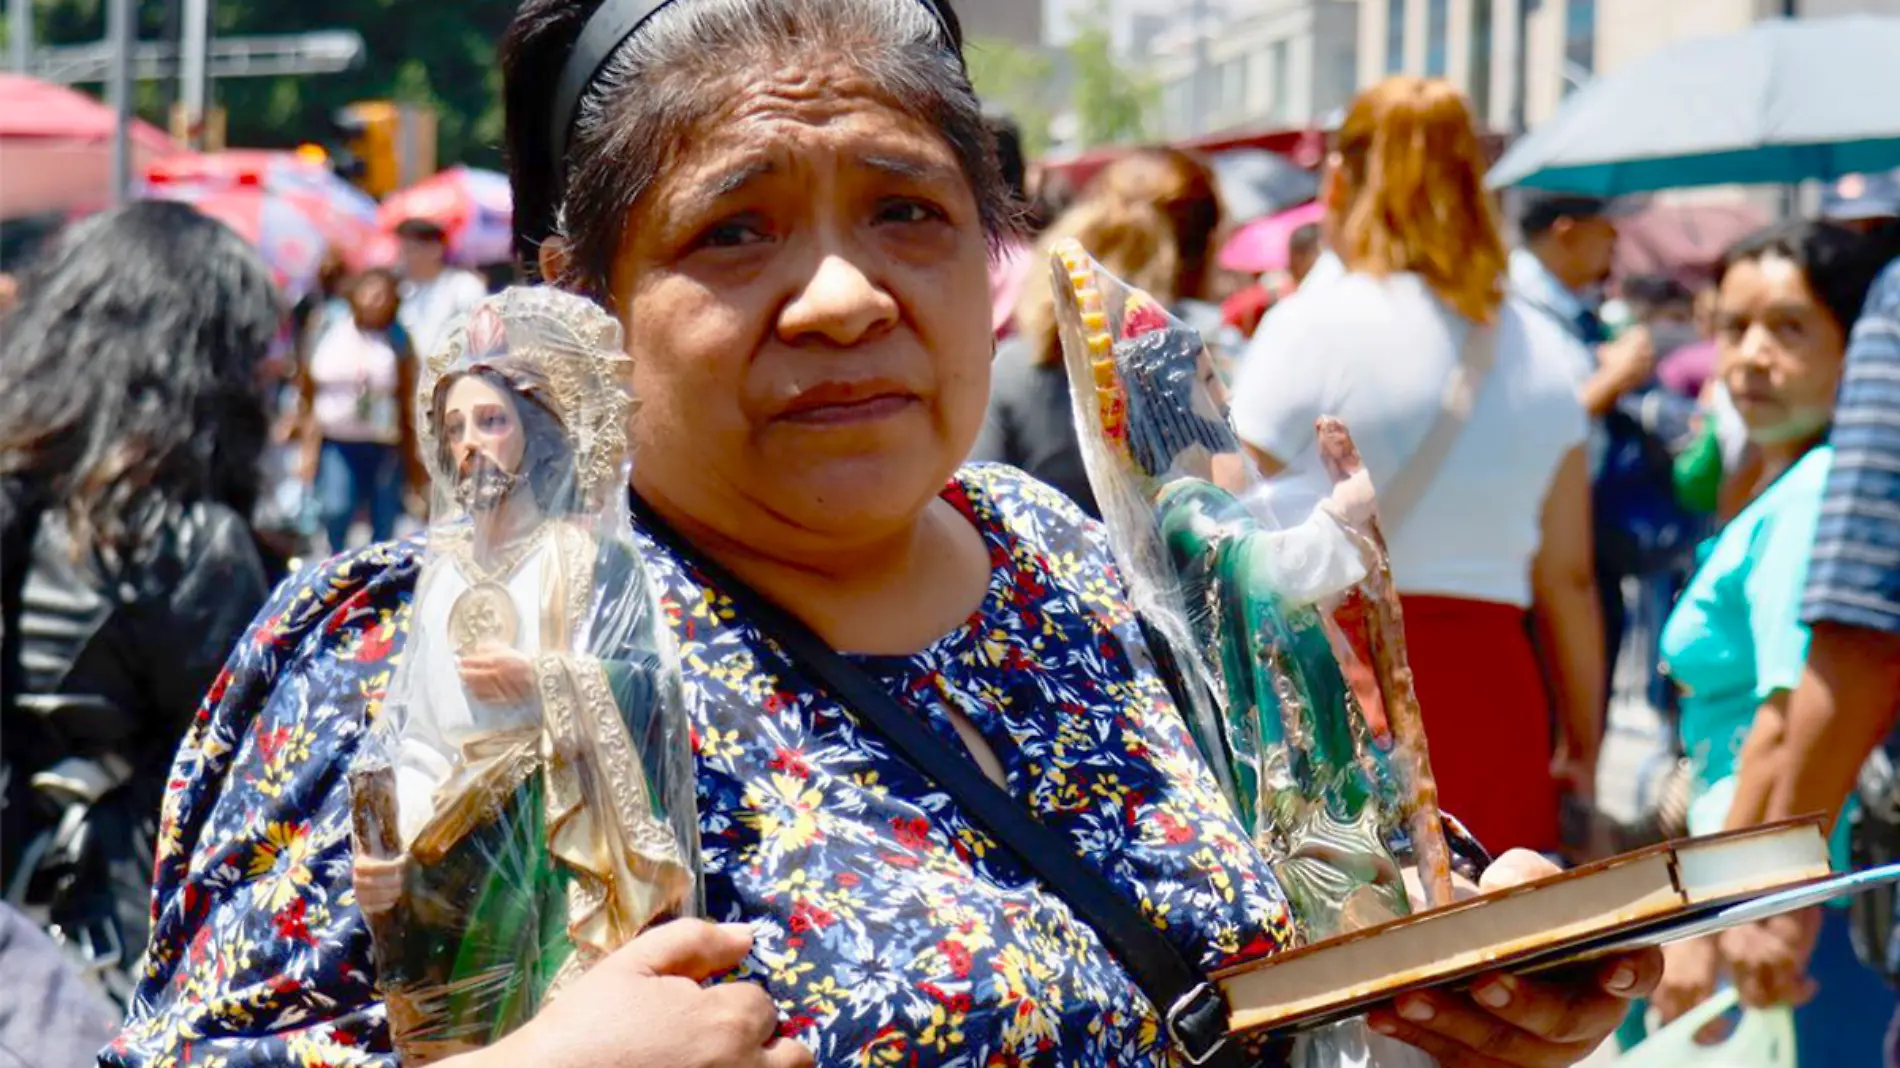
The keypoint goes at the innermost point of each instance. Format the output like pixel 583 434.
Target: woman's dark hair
pixel 547 460
pixel 1840 265
pixel 129 386
pixel 686 61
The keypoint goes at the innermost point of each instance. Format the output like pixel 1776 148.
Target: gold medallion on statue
pixel 483 615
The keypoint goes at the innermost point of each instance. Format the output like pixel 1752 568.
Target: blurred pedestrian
pixel 132 423
pixel 1149 218
pixel 1735 644
pixel 1865 203
pixel 1010 264
pixel 435 295
pixel 1304 246
pixel 50 1017
pixel 1490 533
pixel 357 418
pixel 1844 708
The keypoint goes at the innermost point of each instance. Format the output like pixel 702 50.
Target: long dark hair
pixel 129 387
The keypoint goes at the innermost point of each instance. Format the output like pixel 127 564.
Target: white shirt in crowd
pixel 430 310
pixel 1378 353
pixel 354 373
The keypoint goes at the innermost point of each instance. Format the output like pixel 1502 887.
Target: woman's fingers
pixel 785 1053
pixel 1481 1033
pixel 1632 975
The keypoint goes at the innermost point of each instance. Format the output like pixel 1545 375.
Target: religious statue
pixel 525 802
pixel 1328 787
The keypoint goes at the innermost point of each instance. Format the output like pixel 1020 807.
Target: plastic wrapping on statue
pixel 1277 726
pixel 524 804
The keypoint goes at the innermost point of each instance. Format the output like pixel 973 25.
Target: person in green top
pixel 1735 645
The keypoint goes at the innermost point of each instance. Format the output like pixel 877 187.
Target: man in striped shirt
pixel 1849 695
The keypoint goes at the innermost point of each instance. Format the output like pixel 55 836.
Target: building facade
pixel 1478 44
pixel 1019 21
pixel 1253 64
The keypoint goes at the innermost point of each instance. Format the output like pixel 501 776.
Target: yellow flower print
pixel 280 864
pixel 786 813
pixel 715 744
pixel 944 1032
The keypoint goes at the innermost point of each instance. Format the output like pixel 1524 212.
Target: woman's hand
pixel 497 675
pixel 1508 1021
pixel 1689 973
pixel 643 1007
pixel 1769 960
pixel 378 883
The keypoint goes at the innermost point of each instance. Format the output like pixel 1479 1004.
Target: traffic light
pixel 369 133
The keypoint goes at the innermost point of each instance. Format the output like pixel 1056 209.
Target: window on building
pixel 1279 64
pixel 1394 36
pixel 1437 30
pixel 1480 79
pixel 1580 40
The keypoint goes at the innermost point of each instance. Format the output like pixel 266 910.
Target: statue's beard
pixel 484 486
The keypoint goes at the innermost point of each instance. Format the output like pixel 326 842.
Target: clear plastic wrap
pixel 1255 598
pixel 524 804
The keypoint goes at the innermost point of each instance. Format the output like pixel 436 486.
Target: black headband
pixel 616 20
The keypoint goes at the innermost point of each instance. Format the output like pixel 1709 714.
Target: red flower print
pixel 959 957
pixel 912 834
pixel 809 917
pixel 792 762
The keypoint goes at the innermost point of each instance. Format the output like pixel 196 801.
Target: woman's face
pixel 805 296
pixel 1780 350
pixel 374 302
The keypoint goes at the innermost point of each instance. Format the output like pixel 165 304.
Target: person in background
pixel 50 1017
pixel 1011 264
pixel 1304 247
pixel 1561 269
pixel 1805 757
pixel 1150 218
pixel 1500 538
pixel 9 293
pixel 132 421
pixel 1864 203
pixel 435 296
pixel 358 425
pixel 1028 423
pixel 1735 644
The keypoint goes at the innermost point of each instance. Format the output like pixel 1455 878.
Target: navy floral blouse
pixel 889 930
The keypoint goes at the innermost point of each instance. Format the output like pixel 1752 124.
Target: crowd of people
pixel 834 288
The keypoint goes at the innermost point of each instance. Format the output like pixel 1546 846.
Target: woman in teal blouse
pixel 1735 644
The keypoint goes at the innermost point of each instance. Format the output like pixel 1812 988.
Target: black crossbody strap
pixel 1192 1008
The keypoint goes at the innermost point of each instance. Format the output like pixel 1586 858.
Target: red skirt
pixel 1487 719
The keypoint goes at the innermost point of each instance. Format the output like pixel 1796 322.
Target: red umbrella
pixel 56 147
pixel 345 214
pixel 291 242
pixel 1261 245
pixel 474 207
pixel 1683 240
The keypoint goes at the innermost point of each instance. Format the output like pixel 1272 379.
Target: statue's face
pixel 483 438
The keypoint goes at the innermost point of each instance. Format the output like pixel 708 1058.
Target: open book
pixel 1652 896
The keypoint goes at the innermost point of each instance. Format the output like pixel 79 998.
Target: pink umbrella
pixel 1261 245
pixel 290 242
pixel 474 207
pixel 56 147
pixel 345 214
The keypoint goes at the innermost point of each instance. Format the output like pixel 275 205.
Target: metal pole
pixel 120 30
pixel 20 36
pixel 193 69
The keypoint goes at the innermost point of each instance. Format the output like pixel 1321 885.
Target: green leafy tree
pixel 438 52
pixel 1113 101
pixel 1017 79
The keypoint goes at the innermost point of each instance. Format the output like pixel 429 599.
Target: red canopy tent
pixel 56 147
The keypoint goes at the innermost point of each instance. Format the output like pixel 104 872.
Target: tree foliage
pixel 440 52
pixel 1113 101
pixel 1017 79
